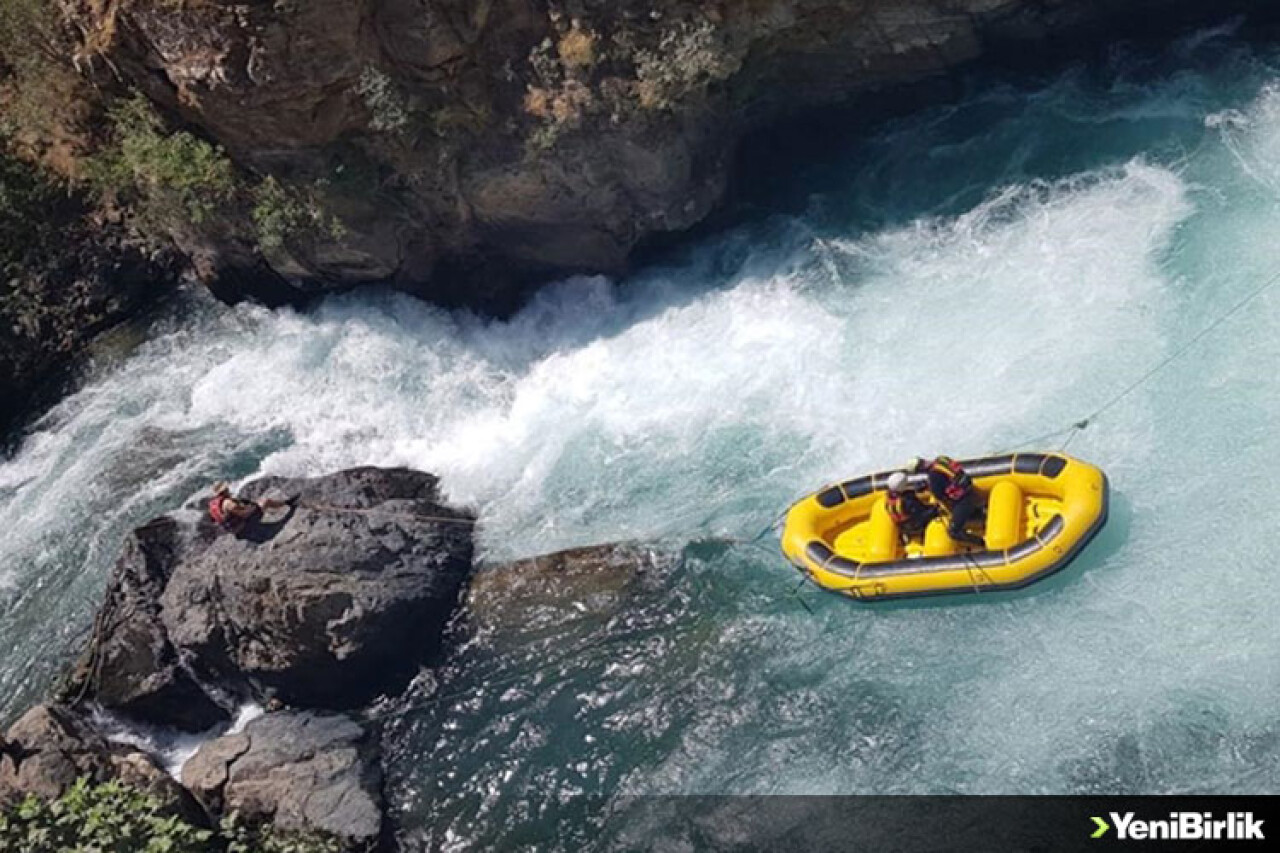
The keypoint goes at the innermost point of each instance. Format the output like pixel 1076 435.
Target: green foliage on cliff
pixel 173 178
pixel 388 112
pixel 686 58
pixel 167 177
pixel 41 97
pixel 281 212
pixel 29 34
pixel 114 818
pixel 26 196
pixel 241 838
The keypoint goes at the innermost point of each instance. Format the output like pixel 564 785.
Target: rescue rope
pixel 90 673
pixel 386 514
pixel 1079 426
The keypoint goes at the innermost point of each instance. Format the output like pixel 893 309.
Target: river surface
pixel 959 280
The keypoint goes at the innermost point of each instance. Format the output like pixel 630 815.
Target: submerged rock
pixel 299 771
pixel 531 597
pixel 326 604
pixel 51 746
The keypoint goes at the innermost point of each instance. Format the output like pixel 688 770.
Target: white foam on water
pixel 170 748
pixel 671 406
pixel 701 397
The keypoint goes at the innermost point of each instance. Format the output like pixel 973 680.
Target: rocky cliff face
pixel 52 745
pixel 459 149
pixel 65 275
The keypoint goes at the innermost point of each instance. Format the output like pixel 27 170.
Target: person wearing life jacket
pixel 911 514
pixel 236 514
pixel 953 488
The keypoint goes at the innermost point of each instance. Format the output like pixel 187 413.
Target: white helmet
pixel 897 482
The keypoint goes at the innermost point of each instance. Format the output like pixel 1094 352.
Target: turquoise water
pixel 956 281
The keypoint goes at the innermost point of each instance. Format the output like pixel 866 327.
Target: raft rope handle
pixel 1084 423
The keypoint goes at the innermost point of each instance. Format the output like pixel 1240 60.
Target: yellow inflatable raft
pixel 1042 509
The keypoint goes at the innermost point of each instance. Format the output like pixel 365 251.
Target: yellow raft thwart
pixel 1042 509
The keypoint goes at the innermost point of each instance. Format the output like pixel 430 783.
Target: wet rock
pixel 526 599
pixel 135 668
pixel 51 747
pixel 296 770
pixel 325 604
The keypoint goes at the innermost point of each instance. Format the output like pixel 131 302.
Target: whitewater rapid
pixel 968 278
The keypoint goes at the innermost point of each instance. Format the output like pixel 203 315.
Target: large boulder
pixel 299 771
pixel 326 604
pixel 132 666
pixel 51 746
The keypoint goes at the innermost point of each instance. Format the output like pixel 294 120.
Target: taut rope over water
pixel 1078 426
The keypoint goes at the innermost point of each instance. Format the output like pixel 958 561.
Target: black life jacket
pixel 952 484
pixel 905 507
pixel 897 508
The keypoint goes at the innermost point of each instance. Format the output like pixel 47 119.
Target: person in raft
pixel 953 488
pixel 236 514
pixel 911 514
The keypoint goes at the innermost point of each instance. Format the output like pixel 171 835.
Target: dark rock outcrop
pixel 52 746
pixel 298 771
pixel 466 147
pixel 323 605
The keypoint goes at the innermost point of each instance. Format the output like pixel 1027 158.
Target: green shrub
pixel 687 57
pixel 107 818
pixel 28 199
pixel 30 34
pixel 165 176
pixel 388 112
pixel 115 818
pixel 241 838
pixel 280 213
pixel 37 83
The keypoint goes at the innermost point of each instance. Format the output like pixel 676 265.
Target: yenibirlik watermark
pixel 1182 826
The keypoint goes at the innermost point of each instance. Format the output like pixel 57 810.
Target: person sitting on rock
pixel 237 514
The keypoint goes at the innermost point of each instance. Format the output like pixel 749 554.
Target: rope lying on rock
pixel 385 513
pixel 91 671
